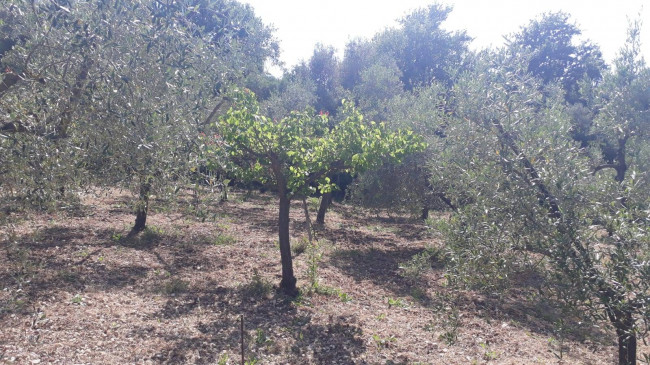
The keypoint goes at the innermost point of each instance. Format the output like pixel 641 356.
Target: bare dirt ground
pixel 74 290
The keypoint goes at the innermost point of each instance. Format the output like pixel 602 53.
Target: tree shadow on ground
pixel 254 217
pixel 267 315
pixel 380 266
pixel 528 303
pixel 62 259
pixel 521 305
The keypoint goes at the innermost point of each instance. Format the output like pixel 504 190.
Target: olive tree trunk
pixel 142 207
pixel 623 321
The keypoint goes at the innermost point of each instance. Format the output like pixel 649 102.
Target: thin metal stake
pixel 242 340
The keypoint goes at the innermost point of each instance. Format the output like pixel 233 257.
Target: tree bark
pixel 325 202
pixel 621 167
pixel 623 321
pixel 621 164
pixel 626 348
pixel 142 207
pixel 288 283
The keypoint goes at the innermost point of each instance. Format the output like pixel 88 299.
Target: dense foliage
pixel 117 92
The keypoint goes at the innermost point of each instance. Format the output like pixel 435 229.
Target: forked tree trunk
pixel 288 283
pixel 142 207
pixel 325 202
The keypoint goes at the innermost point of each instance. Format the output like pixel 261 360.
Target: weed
pixel 430 327
pixel 381 229
pixel 224 239
pixel 450 324
pixel 116 237
pixel 299 247
pixel 488 354
pixel 392 302
pixel 252 361
pixel 175 286
pixel 314 257
pixel 314 202
pixel 557 343
pixel 418 294
pixel 150 235
pixel 258 287
pixel 68 276
pixel 261 339
pixel 223 226
pixel 326 290
pixel 77 299
pixel 383 342
pixel 223 359
pixel 345 298
pixel 301 300
pixel 381 316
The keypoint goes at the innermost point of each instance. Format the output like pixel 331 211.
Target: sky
pixel 301 24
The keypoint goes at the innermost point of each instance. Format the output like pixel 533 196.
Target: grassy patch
pixel 224 239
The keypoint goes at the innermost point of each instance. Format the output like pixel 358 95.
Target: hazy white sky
pixel 300 24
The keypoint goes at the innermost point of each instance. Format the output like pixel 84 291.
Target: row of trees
pixel 124 93
pixel 539 150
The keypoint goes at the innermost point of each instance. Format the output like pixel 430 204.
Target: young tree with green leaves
pixel 296 154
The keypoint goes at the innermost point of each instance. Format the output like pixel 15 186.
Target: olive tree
pixel 528 194
pixel 47 64
pixel 622 103
pixel 119 89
